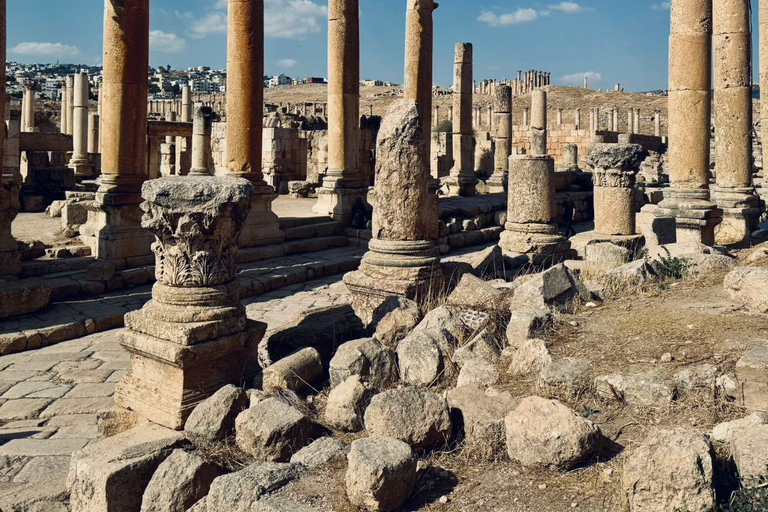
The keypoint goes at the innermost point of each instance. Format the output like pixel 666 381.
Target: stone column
pixel 690 80
pixel 614 169
pixel 70 104
pixel 531 230
pixel 763 65
pixel 586 82
pixel 401 260
pixel 436 117
pixel 637 120
pixel 29 107
pixel 570 157
pixel 502 138
pixel 734 193
pixel 343 185
pixel 615 119
pixel 461 181
pixel 193 336
pixel 526 112
pixel 657 124
pixel 201 142
pixel 592 121
pixel 80 161
pixel 245 113
pixel 64 108
pixel 93 134
pixel 631 121
pixel 577 119
pixel 113 230
pixel 184 144
pixel 559 116
pixel 10 182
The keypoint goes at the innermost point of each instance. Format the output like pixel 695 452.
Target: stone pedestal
pixel 401 260
pixel 740 209
pixel 10 259
pixel 570 157
pixel 502 138
pixel 531 229
pixel 695 215
pixel 193 336
pixel 461 181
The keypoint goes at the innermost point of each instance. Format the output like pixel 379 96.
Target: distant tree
pixel 444 127
pixel 176 89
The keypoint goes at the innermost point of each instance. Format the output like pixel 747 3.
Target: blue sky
pixel 613 40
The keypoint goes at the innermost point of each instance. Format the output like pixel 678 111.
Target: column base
pixel 540 243
pixel 394 268
pixel 113 230
pixel 497 183
pixel 167 380
pixel 460 185
pixel 695 215
pixel 741 214
pixel 338 201
pixel 262 226
pixel 580 241
pixel 83 168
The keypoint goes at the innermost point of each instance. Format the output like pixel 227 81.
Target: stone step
pixel 320 229
pixel 64 320
pixel 250 254
pixel 292 222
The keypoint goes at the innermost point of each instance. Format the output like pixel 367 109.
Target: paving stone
pixel 72 419
pixel 92 390
pixel 77 406
pixel 97 376
pixel 53 392
pixel 42 447
pixel 15 376
pixel 22 389
pixel 22 408
pixel 77 432
pixel 43 468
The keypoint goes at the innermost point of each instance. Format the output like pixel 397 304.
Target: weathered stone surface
pixel 394 319
pixel 604 256
pixel 415 416
pixel 272 431
pixel 381 474
pixel 646 389
pixel 441 319
pixel 481 418
pixel 567 377
pixel 236 492
pixel 478 373
pixel 324 329
pixel 346 404
pixel 749 446
pixel 279 505
pixel 749 287
pixel 325 450
pixel 485 345
pixel 526 322
pixel 367 358
pixel 752 378
pixel 100 270
pixel 474 293
pixel 671 470
pixel 214 419
pixel 619 157
pixel 556 287
pixel 698 379
pixel 178 483
pixel 294 372
pixel 528 357
pixel 547 434
pixel 726 432
pixel 22 297
pixel 112 474
pixel 424 358
pixel 636 272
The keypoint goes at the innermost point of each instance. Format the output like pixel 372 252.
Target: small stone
pixel 568 376
pixel 478 373
pixel 237 492
pixel 346 404
pixel 530 357
pixel 542 486
pixel 367 358
pixel 214 418
pixel 666 358
pixel 525 323
pixel 394 319
pixel 179 482
pixel 424 358
pixel 272 431
pixel 646 389
pixel 381 474
pixel 325 450
pixel 294 372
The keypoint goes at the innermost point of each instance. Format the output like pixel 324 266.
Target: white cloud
pixel 287 63
pixel 661 6
pixel 50 50
pixel 293 19
pixel 283 19
pixel 166 42
pixel 512 18
pixel 568 7
pixel 578 78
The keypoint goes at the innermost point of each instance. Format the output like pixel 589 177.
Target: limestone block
pixel 554 288
pixel 415 416
pixel 365 357
pixel 179 482
pixel 752 378
pixel 478 373
pixel 485 345
pixel 237 492
pixel 525 322
pixel 101 270
pixel 346 404
pixel 568 377
pixel 214 418
pixel 474 293
pixel 604 256
pixel 22 297
pixel 381 473
pixel 272 431
pixel 481 418
pixel 294 372
pixel 394 319
pixel 726 432
pixel 749 287
pixel 112 474
pixel 671 470
pixel 73 214
pixel 528 357
pixel 325 450
pixel 424 358
pixel 547 434
pixel 646 389
pixel 749 446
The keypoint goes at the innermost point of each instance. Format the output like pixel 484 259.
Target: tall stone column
pixel 70 104
pixel 559 116
pixel 10 182
pixel 570 157
pixel 734 193
pixel 637 120
pixel 763 64
pixel 631 121
pixel 657 124
pixel 201 142
pixel 343 185
pixel 615 119
pixel 193 336
pixel 401 260
pixel 245 117
pixel 93 134
pixel 64 108
pixel 29 107
pixel 184 144
pixel 526 115
pixel 577 118
pixel 113 230
pixel 531 230
pixel 502 138
pixel 614 169
pixel 461 181
pixel 80 161
pixel 690 79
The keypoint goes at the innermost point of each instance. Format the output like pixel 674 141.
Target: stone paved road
pixel 49 397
